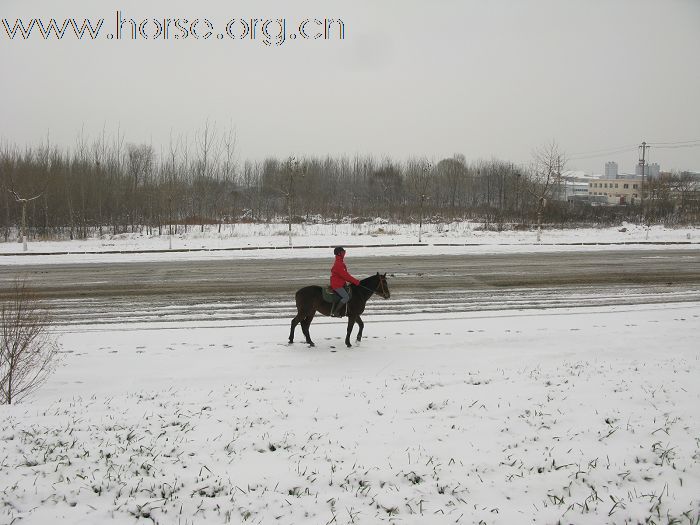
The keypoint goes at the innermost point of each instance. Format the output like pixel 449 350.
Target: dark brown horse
pixel 310 300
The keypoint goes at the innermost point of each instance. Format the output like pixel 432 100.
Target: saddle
pixel 331 297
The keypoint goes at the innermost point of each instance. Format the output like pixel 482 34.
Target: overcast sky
pixel 492 78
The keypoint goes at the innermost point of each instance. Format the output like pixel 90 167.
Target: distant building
pixel 568 191
pixel 573 185
pixel 611 170
pixel 616 190
pixel 650 170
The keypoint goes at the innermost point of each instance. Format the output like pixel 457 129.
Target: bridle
pixel 384 292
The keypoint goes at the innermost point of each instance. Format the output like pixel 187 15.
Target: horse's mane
pixel 370 279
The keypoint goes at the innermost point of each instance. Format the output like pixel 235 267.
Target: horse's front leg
pixel 361 326
pixel 351 324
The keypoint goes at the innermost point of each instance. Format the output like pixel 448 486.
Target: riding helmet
pixel 338 250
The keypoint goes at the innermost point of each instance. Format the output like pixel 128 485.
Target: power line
pixel 624 149
pixel 672 143
pixel 678 146
pixel 605 154
pixel 604 150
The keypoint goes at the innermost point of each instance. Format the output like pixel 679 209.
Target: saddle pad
pixel 330 296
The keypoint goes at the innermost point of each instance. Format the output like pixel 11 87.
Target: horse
pixel 310 300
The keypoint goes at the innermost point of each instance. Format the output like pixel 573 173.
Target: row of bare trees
pixel 117 187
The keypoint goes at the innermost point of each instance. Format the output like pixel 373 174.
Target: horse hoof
pixel 311 344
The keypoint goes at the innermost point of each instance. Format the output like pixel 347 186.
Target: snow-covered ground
pixel 567 415
pixel 586 415
pixel 263 236
pixel 313 240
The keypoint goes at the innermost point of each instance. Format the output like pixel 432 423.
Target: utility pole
pixel 642 162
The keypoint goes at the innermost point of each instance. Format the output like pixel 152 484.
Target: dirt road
pixel 226 289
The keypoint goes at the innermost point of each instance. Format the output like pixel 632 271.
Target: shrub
pixel 28 352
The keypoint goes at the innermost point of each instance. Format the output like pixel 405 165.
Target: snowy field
pixel 585 415
pixel 272 240
pixel 588 415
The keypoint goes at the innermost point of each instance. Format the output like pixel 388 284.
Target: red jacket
pixel 340 275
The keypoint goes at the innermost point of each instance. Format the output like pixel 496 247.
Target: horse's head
pixel 382 287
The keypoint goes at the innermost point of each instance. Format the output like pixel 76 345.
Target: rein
pixel 381 282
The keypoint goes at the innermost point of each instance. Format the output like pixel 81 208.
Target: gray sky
pixel 492 78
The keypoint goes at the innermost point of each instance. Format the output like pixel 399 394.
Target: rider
pixel 339 276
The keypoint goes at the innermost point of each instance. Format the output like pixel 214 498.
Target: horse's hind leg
pixel 305 328
pixel 297 319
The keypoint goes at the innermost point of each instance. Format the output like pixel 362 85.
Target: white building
pixel 650 170
pixel 611 170
pixel 617 190
pixel 572 186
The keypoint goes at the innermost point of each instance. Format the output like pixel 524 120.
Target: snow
pixel 582 415
pixel 238 241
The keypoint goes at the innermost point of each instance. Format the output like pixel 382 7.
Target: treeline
pixel 111 188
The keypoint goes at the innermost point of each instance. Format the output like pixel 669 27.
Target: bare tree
pixel 293 172
pixel 140 162
pixel 209 153
pixel 418 182
pixel 228 169
pixel 687 187
pixel 548 164
pixel 28 353
pixel 11 187
pixel 386 188
pixel 452 172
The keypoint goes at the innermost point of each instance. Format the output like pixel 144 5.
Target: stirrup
pixel 336 310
